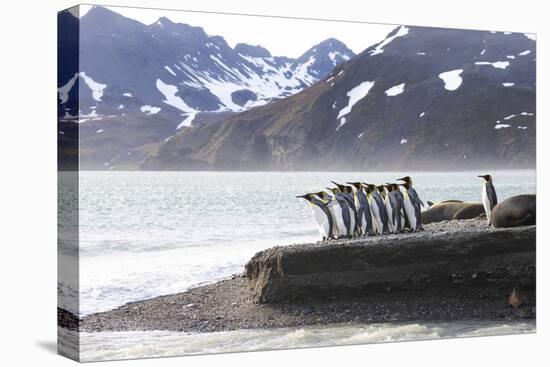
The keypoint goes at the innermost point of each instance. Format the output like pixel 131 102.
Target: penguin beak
pixel 401 179
pixel 301 197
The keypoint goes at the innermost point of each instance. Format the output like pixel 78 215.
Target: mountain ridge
pixel 131 75
pixel 422 99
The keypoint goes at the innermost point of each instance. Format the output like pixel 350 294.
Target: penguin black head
pixel 305 196
pixel 487 178
pixel 380 188
pixel 406 185
pixel 321 194
pixel 406 179
pixel 357 185
pixel 342 188
pixel 389 186
pixel 334 190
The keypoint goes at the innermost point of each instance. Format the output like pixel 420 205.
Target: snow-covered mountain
pixel 423 98
pixel 175 71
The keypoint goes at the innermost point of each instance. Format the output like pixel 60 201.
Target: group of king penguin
pixel 364 209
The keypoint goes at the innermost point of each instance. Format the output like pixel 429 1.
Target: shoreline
pixel 228 305
pixel 233 304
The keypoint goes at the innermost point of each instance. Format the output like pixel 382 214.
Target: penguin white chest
pixel 389 210
pixel 336 212
pixel 409 210
pixel 377 222
pixel 321 219
pixel 486 203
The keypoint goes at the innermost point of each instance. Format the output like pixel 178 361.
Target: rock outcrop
pixel 447 254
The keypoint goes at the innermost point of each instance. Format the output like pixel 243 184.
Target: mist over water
pixel 144 234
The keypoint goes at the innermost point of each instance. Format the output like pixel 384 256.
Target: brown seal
pixel 451 209
pixel 516 211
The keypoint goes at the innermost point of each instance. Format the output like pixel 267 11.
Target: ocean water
pixel 145 234
pixel 140 344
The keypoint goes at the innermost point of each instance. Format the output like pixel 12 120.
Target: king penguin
pixel 338 226
pixel 321 214
pixel 414 199
pixel 384 194
pixel 488 196
pixel 348 193
pixel 381 208
pixel 377 224
pixel 396 200
pixel 363 209
pixel 347 212
pixel 391 207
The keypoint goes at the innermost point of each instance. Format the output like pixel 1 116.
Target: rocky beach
pixel 454 270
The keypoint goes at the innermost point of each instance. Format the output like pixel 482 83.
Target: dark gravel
pixel 227 305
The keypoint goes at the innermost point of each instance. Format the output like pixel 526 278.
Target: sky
pixel 281 36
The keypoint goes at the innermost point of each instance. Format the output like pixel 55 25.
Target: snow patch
pixel 422 114
pixel 482 52
pixel 97 88
pixel 129 95
pixel 65 89
pixel 169 92
pixel 187 121
pixel 120 106
pixel 395 90
pixel 355 95
pixel 501 126
pixel 93 113
pixel 526 52
pixel 421 53
pixel 452 79
pixel 342 122
pixel 508 84
pixel 496 64
pixel 151 110
pixel 522 127
pixel 403 141
pixel 334 57
pixel 531 36
pixel 509 117
pixel 527 113
pixel 99 131
pixel 511 57
pixel 380 48
pixel 360 135
pixel 170 70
